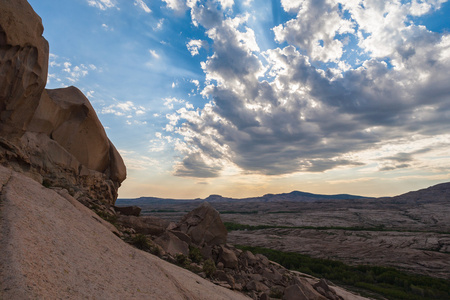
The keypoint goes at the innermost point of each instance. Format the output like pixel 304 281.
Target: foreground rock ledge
pixel 53 248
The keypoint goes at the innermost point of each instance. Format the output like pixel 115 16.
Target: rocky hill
pixel 52 136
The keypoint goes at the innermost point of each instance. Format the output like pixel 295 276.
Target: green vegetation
pixel 252 212
pixel 140 241
pixel 182 260
pixel 236 226
pixel 47 183
pixel 195 255
pixel 387 282
pixel 231 226
pixel 209 267
pixel 160 211
pixel 106 216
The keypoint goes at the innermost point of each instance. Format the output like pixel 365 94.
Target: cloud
pixel 195 166
pixel 195 45
pixel 102 4
pixel 159 25
pixel 127 109
pixel 176 5
pixel 142 5
pixel 66 73
pixel 134 161
pixel 315 28
pixel 154 54
pixel 278 111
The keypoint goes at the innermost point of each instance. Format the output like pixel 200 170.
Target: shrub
pixel 195 255
pixel 209 267
pixel 47 183
pixel 140 241
pixel 182 260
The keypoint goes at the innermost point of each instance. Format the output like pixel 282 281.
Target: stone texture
pixel 204 226
pixel 74 125
pixel 60 251
pixel 256 286
pixel 54 136
pixel 172 244
pixel 294 292
pixel 23 64
pixel 128 210
pixel 228 257
pixel 144 225
pixel 323 288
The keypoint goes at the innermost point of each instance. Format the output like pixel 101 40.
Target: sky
pixel 245 98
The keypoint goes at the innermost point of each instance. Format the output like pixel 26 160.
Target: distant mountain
pixel 432 194
pixel 436 193
pixel 302 196
pixel 292 196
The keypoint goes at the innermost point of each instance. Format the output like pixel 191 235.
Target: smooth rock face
pixel 204 226
pixel 60 251
pixel 68 118
pixel 53 136
pixel 172 244
pixel 294 292
pixel 23 64
pixel 228 258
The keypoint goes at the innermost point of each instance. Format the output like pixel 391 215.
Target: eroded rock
pixel 144 225
pixel 204 226
pixel 23 65
pixel 53 136
pixel 128 210
pixel 172 244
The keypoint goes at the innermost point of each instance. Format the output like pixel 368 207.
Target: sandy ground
pixel 52 247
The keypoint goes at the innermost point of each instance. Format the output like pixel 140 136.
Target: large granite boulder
pixel 204 226
pixel 53 136
pixel 23 64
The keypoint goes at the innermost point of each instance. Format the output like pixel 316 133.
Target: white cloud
pixel 315 29
pixel 142 5
pixel 154 54
pixel 127 109
pixel 159 25
pixel 177 5
pixel 275 112
pixel 134 161
pixel 102 4
pixel 107 28
pixel 226 3
pixel 195 45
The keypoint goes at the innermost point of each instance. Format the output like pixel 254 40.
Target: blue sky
pixel 243 98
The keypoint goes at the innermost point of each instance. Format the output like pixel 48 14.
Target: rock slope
pixel 55 248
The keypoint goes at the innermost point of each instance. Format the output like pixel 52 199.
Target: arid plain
pixel 410 232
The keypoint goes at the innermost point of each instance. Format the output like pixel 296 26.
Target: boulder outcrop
pixel 23 65
pixel 204 226
pixel 53 136
pixel 193 245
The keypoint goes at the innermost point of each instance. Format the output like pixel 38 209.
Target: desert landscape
pixel 64 234
pixel 410 232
